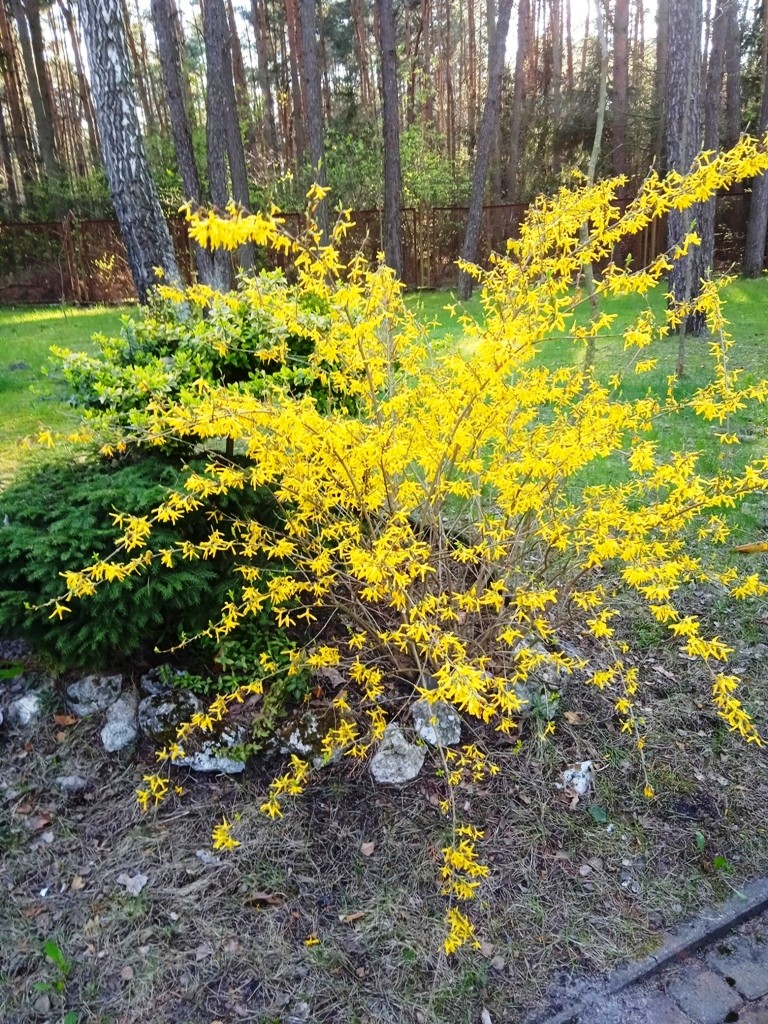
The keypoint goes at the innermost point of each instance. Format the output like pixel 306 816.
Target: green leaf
pixel 701 842
pixel 598 814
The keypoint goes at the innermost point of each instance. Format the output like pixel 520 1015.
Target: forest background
pixel 50 156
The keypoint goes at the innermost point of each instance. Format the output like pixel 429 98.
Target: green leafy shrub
pixel 169 347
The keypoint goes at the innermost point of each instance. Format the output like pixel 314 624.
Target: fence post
pixel 75 283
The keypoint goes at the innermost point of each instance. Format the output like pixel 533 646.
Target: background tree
pixel 485 141
pixel 145 233
pixel 683 142
pixel 391 220
pixel 754 254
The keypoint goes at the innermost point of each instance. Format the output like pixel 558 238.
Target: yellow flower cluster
pixel 440 503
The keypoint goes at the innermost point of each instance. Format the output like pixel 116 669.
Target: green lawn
pixel 26 334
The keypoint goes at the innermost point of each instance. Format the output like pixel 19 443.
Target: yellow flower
pixel 222 838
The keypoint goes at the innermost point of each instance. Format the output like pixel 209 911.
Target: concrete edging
pixel 707 927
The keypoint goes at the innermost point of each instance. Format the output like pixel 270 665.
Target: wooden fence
pixel 83 261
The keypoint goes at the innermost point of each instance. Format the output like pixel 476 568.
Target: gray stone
pixel 638 1006
pixel 303 735
pixel 746 964
pixel 438 724
pixel 152 683
pixel 703 995
pixel 93 693
pixel 211 757
pixel 25 709
pixel 755 1013
pixel 161 714
pixel 121 726
pixel 71 784
pixel 396 761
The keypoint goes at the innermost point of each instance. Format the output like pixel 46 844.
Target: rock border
pixel 707 927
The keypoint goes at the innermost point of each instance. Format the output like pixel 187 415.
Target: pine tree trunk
pixel 485 142
pixel 222 109
pixel 557 80
pixel 6 156
pixel 145 233
pixel 164 17
pixel 683 141
pixel 754 252
pixel 18 129
pixel 392 230
pixel 516 147
pixel 733 73
pixel 712 110
pixel 659 153
pixel 45 137
pixel 261 34
pixel 84 92
pixel 294 63
pixel 620 99
pixel 313 102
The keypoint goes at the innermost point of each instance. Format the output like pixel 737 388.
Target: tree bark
pixel 147 240
pixel 602 102
pixel 620 99
pixel 261 33
pixel 659 154
pixel 712 111
pixel 19 128
pixel 224 140
pixel 43 124
pixel 516 147
pixel 485 142
pixel 392 228
pixel 86 103
pixel 164 18
pixel 754 252
pixel 733 73
pixel 683 141
pixel 313 102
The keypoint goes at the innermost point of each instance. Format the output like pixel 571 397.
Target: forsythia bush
pixel 435 510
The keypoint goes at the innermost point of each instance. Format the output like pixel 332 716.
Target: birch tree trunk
pixel 145 233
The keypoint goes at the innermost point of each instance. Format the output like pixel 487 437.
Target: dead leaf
pixel 487 949
pixel 350 918
pixel 30 912
pixel 263 899
pixel 39 821
pixel 203 950
pixel 367 849
pixel 573 718
pixel 360 972
pixel 133 883
pixel 65 720
pixel 60 736
pixel 77 883
pixel 127 973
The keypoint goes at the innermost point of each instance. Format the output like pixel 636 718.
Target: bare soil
pixel 224 937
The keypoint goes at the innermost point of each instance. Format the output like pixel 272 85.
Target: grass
pixel 26 334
